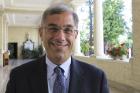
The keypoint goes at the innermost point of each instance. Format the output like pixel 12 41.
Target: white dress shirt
pixel 51 75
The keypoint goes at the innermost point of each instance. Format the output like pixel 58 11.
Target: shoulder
pixel 92 76
pixel 28 67
pixel 89 69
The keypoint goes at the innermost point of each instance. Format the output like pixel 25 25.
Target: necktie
pixel 59 84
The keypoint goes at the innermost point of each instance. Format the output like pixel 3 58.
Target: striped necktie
pixel 59 84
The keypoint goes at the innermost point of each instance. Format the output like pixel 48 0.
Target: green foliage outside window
pixel 84 38
pixel 114 24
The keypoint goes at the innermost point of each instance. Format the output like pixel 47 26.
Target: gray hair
pixel 58 9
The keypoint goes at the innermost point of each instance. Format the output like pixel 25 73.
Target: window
pixel 117 21
pixel 117 18
pixel 85 13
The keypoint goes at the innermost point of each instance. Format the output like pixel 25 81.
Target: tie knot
pixel 58 70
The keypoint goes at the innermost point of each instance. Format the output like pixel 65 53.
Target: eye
pixel 68 30
pixel 53 29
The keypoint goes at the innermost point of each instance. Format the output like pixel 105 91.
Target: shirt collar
pixel 65 66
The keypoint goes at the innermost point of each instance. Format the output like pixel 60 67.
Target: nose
pixel 60 35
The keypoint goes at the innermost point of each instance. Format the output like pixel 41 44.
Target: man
pixel 58 32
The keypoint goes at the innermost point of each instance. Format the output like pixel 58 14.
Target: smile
pixel 59 44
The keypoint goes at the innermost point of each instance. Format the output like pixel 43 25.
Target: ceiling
pixel 28 12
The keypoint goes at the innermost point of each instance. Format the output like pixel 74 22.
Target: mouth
pixel 59 44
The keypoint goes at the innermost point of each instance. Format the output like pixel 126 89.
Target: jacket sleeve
pixel 104 84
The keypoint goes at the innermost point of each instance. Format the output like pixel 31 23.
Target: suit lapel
pixel 76 78
pixel 38 77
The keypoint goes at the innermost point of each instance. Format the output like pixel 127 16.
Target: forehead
pixel 61 19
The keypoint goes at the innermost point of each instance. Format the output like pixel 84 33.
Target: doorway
pixel 13 48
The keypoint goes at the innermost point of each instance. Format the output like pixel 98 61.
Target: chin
pixel 61 56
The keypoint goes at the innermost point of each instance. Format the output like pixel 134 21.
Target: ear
pixel 76 33
pixel 40 32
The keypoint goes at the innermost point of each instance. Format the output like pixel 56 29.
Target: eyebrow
pixel 52 25
pixel 58 26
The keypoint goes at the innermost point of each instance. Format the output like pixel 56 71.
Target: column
pixel 77 48
pixel 135 63
pixel 1 38
pixel 98 29
pixel 3 35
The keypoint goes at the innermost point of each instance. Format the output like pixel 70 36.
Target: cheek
pixel 45 37
pixel 72 41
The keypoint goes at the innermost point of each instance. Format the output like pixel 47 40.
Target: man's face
pixel 58 36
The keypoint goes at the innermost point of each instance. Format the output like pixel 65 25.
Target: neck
pixel 58 60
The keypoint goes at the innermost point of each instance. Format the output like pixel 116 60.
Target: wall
pixel 136 28
pixel 118 71
pixel 18 34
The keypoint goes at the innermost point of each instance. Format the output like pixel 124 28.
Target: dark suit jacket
pixel 32 78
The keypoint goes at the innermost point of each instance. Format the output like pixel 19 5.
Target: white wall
pixel 18 34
